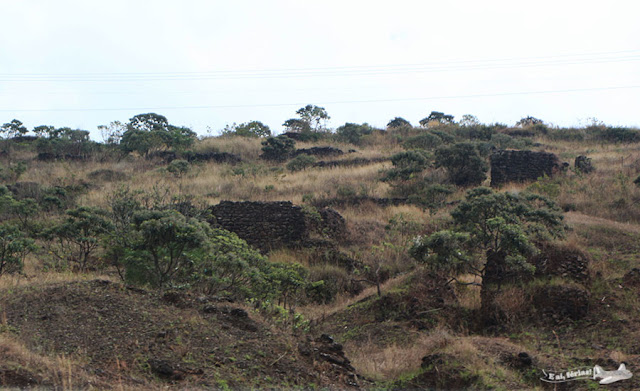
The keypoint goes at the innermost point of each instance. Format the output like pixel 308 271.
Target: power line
pixel 470 65
pixel 327 102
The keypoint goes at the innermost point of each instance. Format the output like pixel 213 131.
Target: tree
pixel 529 121
pixel 112 133
pixel 437 118
pixel 46 131
pixel 491 236
pixel 14 247
pixel 407 164
pixel 13 129
pixel 352 133
pixel 77 237
pixel 463 162
pixel 300 162
pixel 314 116
pixel 151 131
pixel 297 125
pixel 277 148
pixel 469 120
pixel 248 129
pixel 398 122
pixel 163 245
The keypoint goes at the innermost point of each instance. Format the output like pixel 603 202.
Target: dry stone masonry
pixel 521 166
pixel 271 225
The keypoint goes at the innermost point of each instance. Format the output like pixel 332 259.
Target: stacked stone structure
pixel 272 225
pixel 521 166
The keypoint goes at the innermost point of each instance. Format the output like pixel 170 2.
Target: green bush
pixel 14 247
pixel 426 140
pixel 407 164
pixel 248 129
pixel 301 162
pixel 74 240
pixel 352 133
pixel 179 167
pixel 277 148
pixel 464 164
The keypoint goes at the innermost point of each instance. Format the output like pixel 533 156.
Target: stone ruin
pixel 272 225
pixel 521 166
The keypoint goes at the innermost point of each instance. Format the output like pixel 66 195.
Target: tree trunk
pixel 492 279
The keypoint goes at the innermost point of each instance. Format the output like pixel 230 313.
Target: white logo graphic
pixel 585 373
pixel 611 376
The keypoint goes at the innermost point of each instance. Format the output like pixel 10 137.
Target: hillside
pixel 446 256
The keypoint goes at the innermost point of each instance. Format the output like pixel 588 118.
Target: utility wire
pixel 328 102
pixel 631 56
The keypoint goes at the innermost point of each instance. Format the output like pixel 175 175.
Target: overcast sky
pixel 205 64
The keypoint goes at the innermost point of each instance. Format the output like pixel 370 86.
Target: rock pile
pixel 521 166
pixel 271 225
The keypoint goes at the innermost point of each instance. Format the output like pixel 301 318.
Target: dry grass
pixel 396 360
pixel 316 312
pixel 478 355
pixel 57 372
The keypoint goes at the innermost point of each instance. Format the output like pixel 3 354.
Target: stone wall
pixel 264 225
pixel 521 166
pixel 271 225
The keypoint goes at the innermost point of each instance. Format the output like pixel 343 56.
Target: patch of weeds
pixel 222 384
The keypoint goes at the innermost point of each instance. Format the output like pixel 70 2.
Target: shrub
pixel 352 133
pixel 437 118
pixel 300 162
pixel 179 167
pixel 427 140
pixel 407 164
pixel 431 197
pixel 327 281
pixel 463 163
pixel 75 239
pixel 277 148
pixel 248 129
pixel 14 247
pixel 615 135
pixel 398 122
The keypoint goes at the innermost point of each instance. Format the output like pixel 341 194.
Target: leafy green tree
pixel 13 129
pixel 46 131
pixel 18 212
pixel 287 279
pixel 463 162
pixel 163 245
pixel 65 142
pixel 232 266
pixel 277 148
pixel 469 120
pixel 431 196
pixel 407 164
pixel 438 118
pixel 248 129
pixel 14 247
pixel 492 235
pixel 297 125
pixel 352 133
pixel 315 116
pixel 76 238
pixel 179 167
pixel 398 122
pixel 529 121
pixel 300 162
pixel 151 131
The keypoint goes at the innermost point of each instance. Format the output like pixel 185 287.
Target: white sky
pixel 209 63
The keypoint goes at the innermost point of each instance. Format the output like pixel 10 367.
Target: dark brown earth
pixel 171 339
